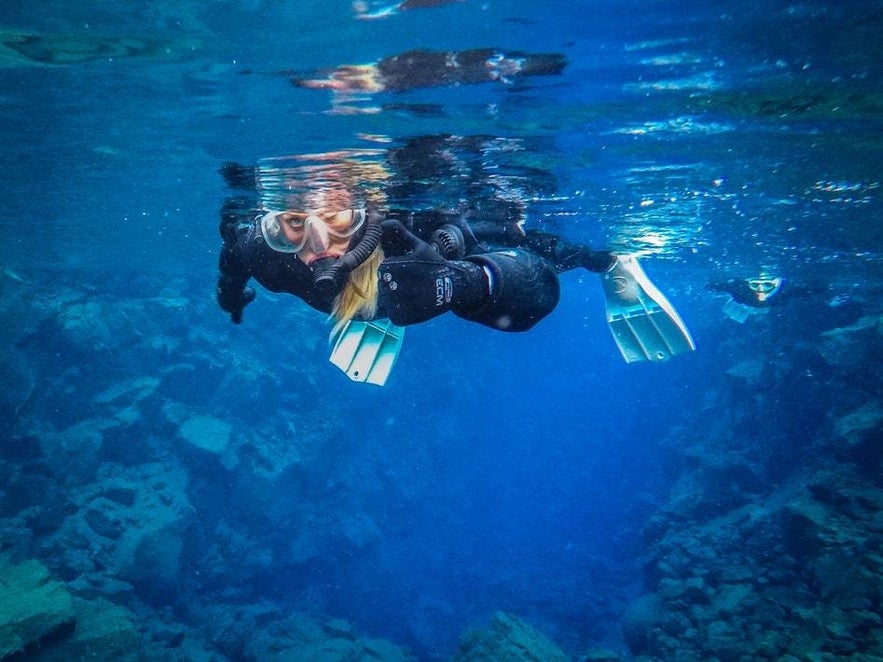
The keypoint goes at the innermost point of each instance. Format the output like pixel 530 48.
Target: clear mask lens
pixel 313 232
pixel 764 288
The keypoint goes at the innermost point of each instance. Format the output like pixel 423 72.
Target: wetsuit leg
pixel 565 255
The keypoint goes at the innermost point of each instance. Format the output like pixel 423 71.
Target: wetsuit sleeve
pixel 232 293
pixel 233 263
pixel 565 255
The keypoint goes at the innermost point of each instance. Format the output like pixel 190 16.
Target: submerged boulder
pixel 18 383
pixel 133 520
pixel 511 639
pixel 73 453
pixel 852 348
pixel 104 631
pixel 33 606
pixel 642 622
pixel 264 631
pixel 206 432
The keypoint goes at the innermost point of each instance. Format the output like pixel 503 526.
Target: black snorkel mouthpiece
pixel 330 274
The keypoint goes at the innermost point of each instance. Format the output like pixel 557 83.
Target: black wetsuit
pixel 500 277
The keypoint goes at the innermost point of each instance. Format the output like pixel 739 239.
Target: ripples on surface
pixel 701 138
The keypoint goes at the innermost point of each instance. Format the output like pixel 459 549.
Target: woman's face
pixel 318 234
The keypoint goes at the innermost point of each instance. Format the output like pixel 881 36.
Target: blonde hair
pixel 359 295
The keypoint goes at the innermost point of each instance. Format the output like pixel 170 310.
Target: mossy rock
pixel 33 606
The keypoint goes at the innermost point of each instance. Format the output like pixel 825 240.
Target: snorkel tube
pixel 330 275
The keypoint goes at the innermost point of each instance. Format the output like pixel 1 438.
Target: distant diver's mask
pixel 311 234
pixel 764 288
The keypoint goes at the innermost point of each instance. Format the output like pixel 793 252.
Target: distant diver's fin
pixel 645 326
pixel 364 15
pixel 739 312
pixel 367 351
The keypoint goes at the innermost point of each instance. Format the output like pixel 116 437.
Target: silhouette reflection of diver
pixel 753 296
pixel 422 68
pixel 469 171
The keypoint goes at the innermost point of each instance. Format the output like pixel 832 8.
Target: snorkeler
pixel 754 296
pixel 376 272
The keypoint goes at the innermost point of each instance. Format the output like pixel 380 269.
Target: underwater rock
pixel 102 521
pixel 852 348
pixel 600 655
pixel 641 623
pixel 840 580
pixel 157 557
pixel 862 425
pixel 21 312
pixel 18 379
pixel 266 632
pixel 724 641
pixel 807 635
pixel 508 638
pixel 39 500
pixel 16 537
pixel 104 631
pixel 730 599
pixel 267 451
pixel 140 534
pixel 132 390
pixel 804 526
pixel 212 435
pixel 750 370
pixel 92 325
pixel 206 432
pixel 73 453
pixel 691 590
pixel 33 606
pixel 720 483
pixel 797 572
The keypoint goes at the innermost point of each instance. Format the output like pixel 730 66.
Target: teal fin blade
pixel 739 312
pixel 367 351
pixel 645 326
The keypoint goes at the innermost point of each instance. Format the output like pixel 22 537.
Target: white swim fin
pixel 645 326
pixel 367 351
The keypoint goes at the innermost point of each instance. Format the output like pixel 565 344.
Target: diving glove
pixel 233 297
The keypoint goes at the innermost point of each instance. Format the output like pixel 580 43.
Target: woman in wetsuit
pixel 405 266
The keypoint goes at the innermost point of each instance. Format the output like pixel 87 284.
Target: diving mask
pixel 313 233
pixel 764 288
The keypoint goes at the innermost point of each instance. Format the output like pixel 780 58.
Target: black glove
pixel 417 284
pixel 233 297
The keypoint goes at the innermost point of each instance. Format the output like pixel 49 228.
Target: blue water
pixel 494 471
